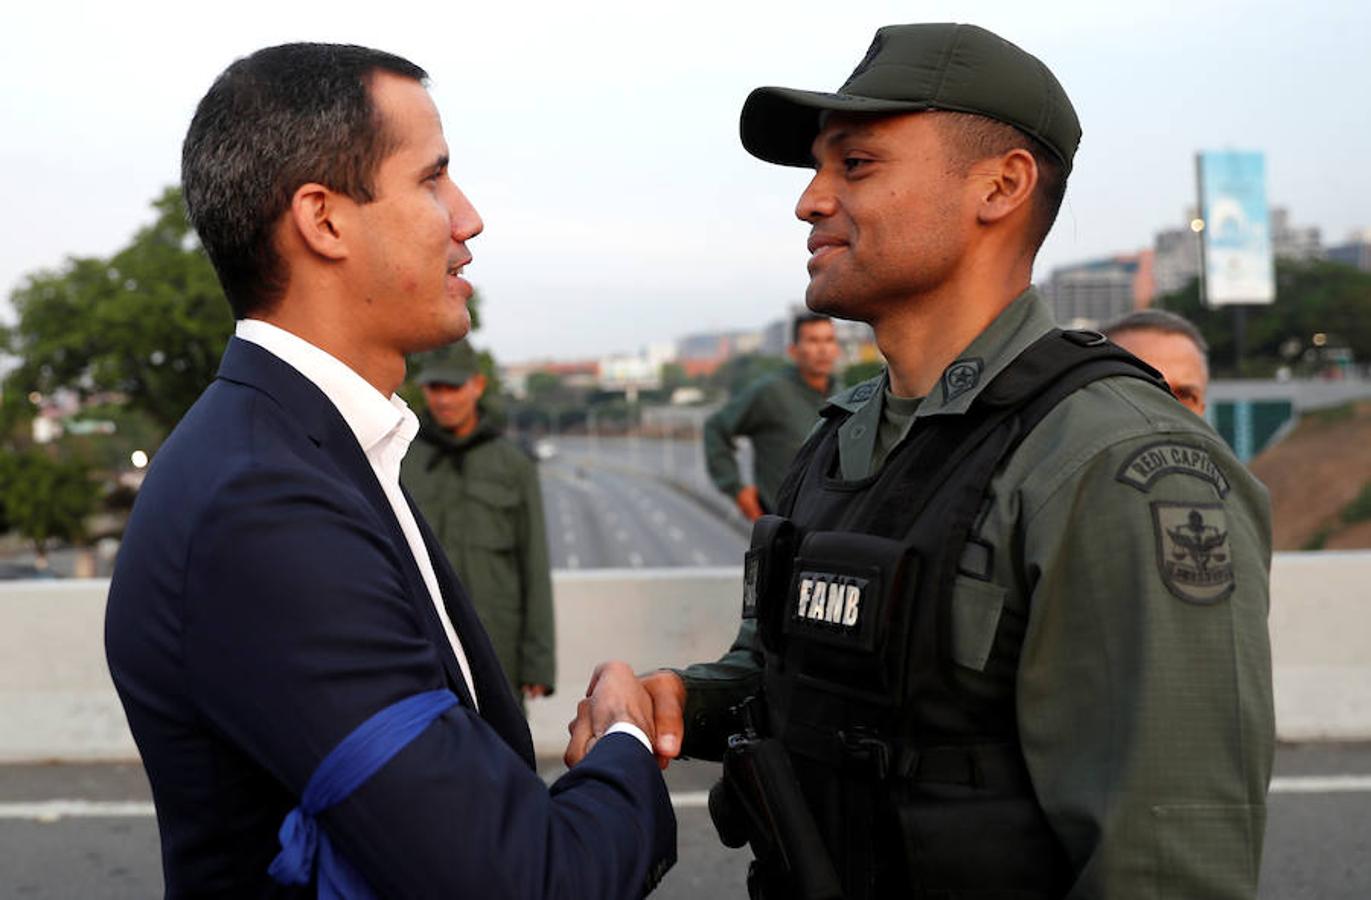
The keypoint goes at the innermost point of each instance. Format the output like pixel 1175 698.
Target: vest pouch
pixel 766 576
pixel 972 828
pixel 846 614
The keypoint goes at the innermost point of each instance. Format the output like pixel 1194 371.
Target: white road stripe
pixel 1321 784
pixel 55 810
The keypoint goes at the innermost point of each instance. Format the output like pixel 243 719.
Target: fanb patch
pixel 1143 468
pixel 1193 551
pixel 829 601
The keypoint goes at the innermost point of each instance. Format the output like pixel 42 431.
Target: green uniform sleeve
pixel 721 429
pixel 1144 694
pixel 538 640
pixel 713 689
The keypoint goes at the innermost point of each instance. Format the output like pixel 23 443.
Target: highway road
pixel 88 831
pixel 629 503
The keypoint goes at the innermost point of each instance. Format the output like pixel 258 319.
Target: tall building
pixel 1356 252
pixel 1293 242
pixel 1175 258
pixel 1091 293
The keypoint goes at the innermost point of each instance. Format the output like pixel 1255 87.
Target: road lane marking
pixel 56 810
pixel 1321 784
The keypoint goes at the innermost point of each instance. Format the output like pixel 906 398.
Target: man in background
pixel 480 494
pixel 1170 344
pixel 775 413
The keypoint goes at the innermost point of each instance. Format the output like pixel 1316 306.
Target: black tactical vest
pixel 909 761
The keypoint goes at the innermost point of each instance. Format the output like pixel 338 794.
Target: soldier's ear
pixel 1005 186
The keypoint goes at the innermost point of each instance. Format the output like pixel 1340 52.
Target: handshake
pixel 654 703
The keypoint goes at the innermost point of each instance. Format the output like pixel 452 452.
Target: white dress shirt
pixel 384 428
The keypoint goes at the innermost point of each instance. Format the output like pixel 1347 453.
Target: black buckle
pixel 865 749
pixel 1085 338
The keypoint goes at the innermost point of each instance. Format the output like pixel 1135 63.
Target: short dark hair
pixel 803 319
pixel 1157 320
pixel 280 118
pixel 973 138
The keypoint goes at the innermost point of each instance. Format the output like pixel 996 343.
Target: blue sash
pixel 353 761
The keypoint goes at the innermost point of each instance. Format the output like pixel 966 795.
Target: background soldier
pixel 1010 637
pixel 775 412
pixel 1170 344
pixel 480 493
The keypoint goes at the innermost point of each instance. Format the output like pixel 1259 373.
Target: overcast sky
pixel 599 140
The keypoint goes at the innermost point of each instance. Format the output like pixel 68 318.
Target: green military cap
pixel 453 365
pixel 909 68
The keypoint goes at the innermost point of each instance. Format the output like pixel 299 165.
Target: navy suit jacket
pixel 265 603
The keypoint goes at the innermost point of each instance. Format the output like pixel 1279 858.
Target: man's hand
pixel 612 696
pixel 749 503
pixel 535 691
pixel 664 693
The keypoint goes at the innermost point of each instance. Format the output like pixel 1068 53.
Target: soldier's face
pixel 1176 357
pixel 889 214
pixel 815 350
pixel 453 406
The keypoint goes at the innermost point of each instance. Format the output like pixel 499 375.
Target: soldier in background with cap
pixel 1173 346
pixel 776 412
pixel 1009 627
pixel 480 494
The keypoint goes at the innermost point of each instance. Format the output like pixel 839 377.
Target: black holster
pixel 759 802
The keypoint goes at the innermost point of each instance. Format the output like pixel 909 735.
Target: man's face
pixel 1176 357
pixel 889 214
pixel 815 350
pixel 414 233
pixel 453 406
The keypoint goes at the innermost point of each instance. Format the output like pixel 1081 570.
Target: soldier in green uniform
pixel 775 412
pixel 1009 630
pixel 480 494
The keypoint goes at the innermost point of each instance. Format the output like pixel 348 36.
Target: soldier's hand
pixel 668 694
pixel 613 695
pixel 535 691
pixel 749 503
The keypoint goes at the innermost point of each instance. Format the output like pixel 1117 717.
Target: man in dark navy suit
pixel 276 588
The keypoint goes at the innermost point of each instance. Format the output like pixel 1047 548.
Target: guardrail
pixel 57 702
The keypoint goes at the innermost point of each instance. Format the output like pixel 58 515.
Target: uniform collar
pixel 1022 322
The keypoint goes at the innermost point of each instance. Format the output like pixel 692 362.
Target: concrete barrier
pixel 57 702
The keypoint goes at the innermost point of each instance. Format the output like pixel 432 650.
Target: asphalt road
pixel 619 503
pixel 104 842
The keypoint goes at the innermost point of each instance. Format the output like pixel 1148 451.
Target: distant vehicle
pixel 544 449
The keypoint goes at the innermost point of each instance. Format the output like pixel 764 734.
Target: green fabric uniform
pixel 481 496
pixel 775 412
pixel 1143 694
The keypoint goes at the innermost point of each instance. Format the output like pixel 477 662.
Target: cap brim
pixel 453 378
pixel 778 125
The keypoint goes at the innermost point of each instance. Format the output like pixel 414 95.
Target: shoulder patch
pixel 960 377
pixel 1146 466
pixel 1193 552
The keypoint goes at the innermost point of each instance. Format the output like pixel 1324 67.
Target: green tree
pixel 862 371
pixel 149 323
pixel 46 499
pixel 1312 297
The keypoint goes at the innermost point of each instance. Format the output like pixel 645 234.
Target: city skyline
pixel 600 143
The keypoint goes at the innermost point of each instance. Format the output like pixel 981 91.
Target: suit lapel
pixel 498 706
pixel 247 363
